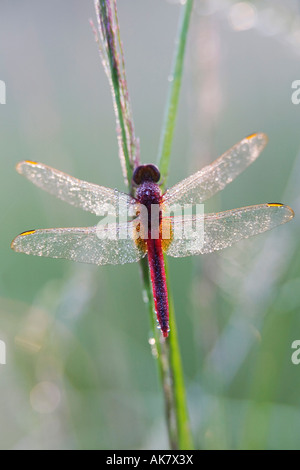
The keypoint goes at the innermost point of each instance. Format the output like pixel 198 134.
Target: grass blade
pixel 166 139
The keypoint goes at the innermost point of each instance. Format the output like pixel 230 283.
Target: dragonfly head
pixel 144 173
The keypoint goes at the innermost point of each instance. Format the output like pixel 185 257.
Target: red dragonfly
pixel 158 232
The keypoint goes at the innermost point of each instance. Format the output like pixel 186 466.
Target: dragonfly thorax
pixel 148 193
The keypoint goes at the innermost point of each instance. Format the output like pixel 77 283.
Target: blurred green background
pixel 79 371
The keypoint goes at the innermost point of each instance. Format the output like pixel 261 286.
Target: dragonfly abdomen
pixel 159 285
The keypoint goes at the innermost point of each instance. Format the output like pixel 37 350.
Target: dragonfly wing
pixel 90 197
pixel 84 244
pixel 212 178
pixel 211 232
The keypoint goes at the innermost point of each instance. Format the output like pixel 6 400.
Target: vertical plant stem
pixel 166 351
pixel 116 85
pixel 160 352
pixel 166 138
pixel 184 438
pixel 113 60
pixel 179 395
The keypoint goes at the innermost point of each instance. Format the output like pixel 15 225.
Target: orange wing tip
pixel 251 135
pixel 23 234
pixel 278 204
pixel 28 232
pixel 19 166
pixel 258 134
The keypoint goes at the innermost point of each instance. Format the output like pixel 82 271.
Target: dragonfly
pixel 126 241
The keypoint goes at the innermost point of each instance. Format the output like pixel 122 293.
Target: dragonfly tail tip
pixel 165 332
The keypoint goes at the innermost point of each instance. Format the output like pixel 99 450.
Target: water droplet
pixel 154 351
pixel 145 297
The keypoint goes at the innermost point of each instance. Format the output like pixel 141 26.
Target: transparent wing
pixel 82 244
pixel 211 232
pixel 212 178
pixel 90 197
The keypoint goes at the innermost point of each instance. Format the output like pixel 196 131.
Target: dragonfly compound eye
pixel 148 172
